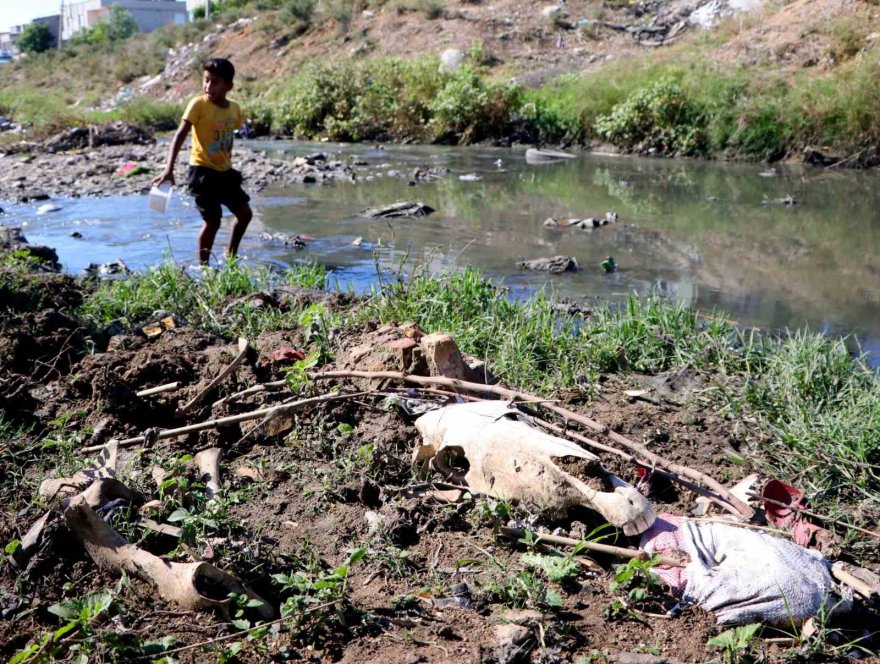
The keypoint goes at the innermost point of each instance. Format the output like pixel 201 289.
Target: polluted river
pixel 773 247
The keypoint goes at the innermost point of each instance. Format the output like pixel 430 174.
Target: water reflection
pixel 695 231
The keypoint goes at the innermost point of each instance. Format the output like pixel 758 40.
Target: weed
pixel 309 585
pixel 80 615
pixel 640 584
pixel 557 567
pixel 736 643
pixel 522 590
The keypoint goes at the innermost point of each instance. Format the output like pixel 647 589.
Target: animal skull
pixel 496 450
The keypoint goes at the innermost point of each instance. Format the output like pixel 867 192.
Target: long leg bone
pixel 507 457
pixel 194 586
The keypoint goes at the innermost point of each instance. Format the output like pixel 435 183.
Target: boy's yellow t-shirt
pixel 212 132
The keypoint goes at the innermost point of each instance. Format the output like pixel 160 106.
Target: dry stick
pixel 167 387
pixel 253 389
pixel 238 634
pixel 242 353
pixel 853 582
pixel 618 551
pixel 813 514
pixel 696 488
pixel 641 450
pixel 150 436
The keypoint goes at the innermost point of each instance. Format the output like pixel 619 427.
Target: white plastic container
pixel 159 196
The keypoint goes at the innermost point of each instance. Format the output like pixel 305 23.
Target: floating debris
pixel 400 209
pixel 553 265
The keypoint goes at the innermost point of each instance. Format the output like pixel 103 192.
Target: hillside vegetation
pixel 760 86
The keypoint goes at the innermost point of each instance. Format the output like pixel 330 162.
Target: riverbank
pixel 324 487
pixel 65 166
pixel 748 89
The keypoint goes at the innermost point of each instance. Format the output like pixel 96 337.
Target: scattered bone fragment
pixel 208 462
pixel 495 450
pixel 103 466
pixel 863 581
pixel 193 586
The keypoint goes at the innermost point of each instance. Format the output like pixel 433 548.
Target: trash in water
pixel 400 209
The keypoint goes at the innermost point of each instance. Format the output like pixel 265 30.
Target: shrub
pixel 35 38
pixel 117 26
pixel 659 118
pixel 467 109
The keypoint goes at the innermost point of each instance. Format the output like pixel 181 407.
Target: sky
pixel 17 12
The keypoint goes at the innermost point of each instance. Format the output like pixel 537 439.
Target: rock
pixel 786 201
pixel 444 358
pixel 817 157
pixel 399 353
pixel 551 12
pixel 12 239
pixel 33 196
pixel 400 209
pixel 554 265
pixel 47 208
pixel 451 60
pixel 118 133
pixel 295 241
pixel 515 637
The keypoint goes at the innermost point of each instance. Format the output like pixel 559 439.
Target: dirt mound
pixel 794 36
pixel 118 133
pixel 318 509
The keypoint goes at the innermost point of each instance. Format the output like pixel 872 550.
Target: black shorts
pixel 211 189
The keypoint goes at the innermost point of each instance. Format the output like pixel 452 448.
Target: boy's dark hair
pixel 220 67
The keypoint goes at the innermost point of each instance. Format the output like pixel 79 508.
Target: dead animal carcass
pixel 496 450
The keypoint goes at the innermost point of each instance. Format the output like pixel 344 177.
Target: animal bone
pixel 508 457
pixel 208 462
pixel 100 492
pixel 194 586
pixel 103 466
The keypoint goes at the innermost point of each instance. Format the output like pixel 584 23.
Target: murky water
pixel 695 231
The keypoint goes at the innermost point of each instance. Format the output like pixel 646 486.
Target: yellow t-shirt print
pixel 212 132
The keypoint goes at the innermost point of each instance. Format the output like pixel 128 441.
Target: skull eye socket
pixel 452 462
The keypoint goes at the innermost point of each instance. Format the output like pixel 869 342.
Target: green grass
pixel 755 113
pixel 812 408
pixel 532 346
pixel 206 302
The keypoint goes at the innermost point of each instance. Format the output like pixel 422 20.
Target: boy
pixel 211 179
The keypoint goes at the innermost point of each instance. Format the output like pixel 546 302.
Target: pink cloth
pixel 665 538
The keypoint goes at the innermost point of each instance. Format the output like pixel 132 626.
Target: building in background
pixel 149 14
pixel 9 40
pixel 53 22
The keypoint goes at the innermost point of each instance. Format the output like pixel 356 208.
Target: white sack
pixel 741 575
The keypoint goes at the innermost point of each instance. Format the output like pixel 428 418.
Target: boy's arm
pixel 167 175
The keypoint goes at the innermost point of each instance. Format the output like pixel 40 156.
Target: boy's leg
pixel 206 239
pixel 243 216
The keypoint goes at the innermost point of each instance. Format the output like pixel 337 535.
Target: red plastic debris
pixel 804 532
pixel 287 355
